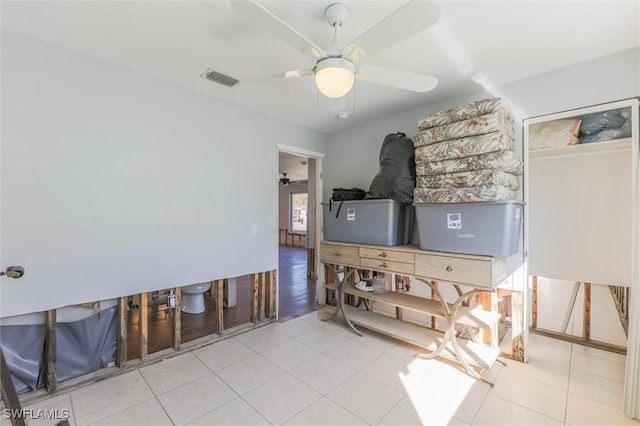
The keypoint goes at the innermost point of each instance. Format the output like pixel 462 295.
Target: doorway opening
pixel 297 278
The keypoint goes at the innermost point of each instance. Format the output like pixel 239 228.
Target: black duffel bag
pixel 396 177
pixel 346 194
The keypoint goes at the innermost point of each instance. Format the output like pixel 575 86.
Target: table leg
pixel 450 336
pixel 449 325
pixel 454 340
pixel 340 298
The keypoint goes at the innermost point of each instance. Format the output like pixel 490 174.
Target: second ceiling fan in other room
pixel 338 67
pixel 285 181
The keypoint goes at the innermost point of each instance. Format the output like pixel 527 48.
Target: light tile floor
pixel 308 372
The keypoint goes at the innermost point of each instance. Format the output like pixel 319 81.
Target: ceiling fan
pixel 338 67
pixel 284 180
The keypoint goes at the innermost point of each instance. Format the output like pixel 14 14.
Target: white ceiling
pixel 475 44
pixel 295 166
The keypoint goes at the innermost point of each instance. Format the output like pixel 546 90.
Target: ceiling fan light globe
pixel 335 77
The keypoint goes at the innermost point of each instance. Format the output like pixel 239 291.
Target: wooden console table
pixel 480 273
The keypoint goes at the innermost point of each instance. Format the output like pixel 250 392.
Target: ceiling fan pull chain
pixel 354 95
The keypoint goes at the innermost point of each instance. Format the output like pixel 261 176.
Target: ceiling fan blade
pixel 410 19
pixel 295 73
pixel 276 26
pixel 396 78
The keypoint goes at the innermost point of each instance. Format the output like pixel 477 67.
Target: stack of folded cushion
pixel 466 154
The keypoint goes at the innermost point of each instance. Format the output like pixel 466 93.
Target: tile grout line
pixel 73 411
pixel 156 396
pixel 529 409
pixel 338 384
pixel 230 365
pixel 126 408
pixel 566 400
pixel 227 384
pixel 486 394
pixel 307 406
pixel 253 408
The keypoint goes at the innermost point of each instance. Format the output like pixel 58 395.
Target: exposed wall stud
pixel 489 302
pixel 262 299
pixel 534 302
pixel 396 280
pixel 144 326
pixel 517 326
pixel 272 295
pixel 312 272
pixel 8 392
pixel 177 319
pixel 586 318
pixel 122 331
pixel 218 286
pixel 329 294
pixel 255 283
pixel 50 353
pixel 267 295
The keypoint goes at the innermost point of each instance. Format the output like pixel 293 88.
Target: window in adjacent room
pixel 298 212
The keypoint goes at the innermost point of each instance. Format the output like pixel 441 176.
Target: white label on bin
pixel 351 214
pixel 454 221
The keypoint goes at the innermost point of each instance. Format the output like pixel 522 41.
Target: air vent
pixel 216 77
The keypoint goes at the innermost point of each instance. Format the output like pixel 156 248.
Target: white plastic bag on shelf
pixel 554 134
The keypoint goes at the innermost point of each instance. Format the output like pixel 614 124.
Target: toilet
pixel 193 297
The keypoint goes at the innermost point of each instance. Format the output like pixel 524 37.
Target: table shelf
pixel 474 317
pixel 475 354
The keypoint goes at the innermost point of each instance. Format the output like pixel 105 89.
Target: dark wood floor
pixel 297 296
pixel 297 293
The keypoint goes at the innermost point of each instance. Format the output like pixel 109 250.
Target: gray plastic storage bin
pixel 377 222
pixel 489 229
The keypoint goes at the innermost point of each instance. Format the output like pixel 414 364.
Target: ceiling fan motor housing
pixel 336 14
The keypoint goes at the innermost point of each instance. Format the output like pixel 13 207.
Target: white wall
pixel 114 182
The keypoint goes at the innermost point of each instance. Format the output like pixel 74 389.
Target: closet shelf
pixel 582 149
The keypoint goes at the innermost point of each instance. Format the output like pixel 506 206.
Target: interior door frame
pixel 317 156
